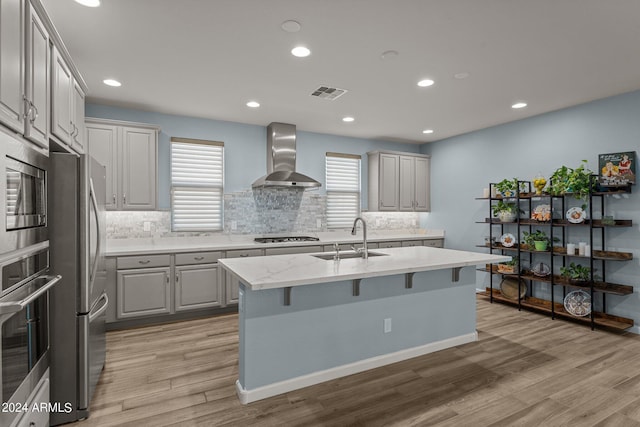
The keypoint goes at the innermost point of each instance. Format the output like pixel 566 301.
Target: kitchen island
pixel 304 319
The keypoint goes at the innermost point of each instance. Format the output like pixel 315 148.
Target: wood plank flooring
pixel 525 370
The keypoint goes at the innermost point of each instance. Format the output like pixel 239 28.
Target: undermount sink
pixel 331 255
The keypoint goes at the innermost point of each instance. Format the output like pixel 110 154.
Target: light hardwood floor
pixel 525 370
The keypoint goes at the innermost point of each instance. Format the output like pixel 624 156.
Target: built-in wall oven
pixel 23 194
pixel 25 282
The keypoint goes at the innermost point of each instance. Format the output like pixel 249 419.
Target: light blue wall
pixel 245 147
pixel 462 166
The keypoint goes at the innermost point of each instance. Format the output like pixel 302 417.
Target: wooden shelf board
pixel 536 304
pixel 597 223
pixel 561 251
pixel 604 287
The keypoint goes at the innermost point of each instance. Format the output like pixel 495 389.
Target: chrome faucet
pixel 363 249
pixel 336 256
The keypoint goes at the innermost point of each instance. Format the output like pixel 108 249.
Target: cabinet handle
pixel 198 258
pixel 177 277
pixel 114 198
pixel 244 255
pixel 124 199
pixel 146 261
pixel 27 107
pixel 35 112
pixel 167 278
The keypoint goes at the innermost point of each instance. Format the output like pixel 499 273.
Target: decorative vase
pixel 540 245
pixel 506 216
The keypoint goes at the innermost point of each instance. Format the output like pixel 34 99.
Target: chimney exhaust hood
pixel 281 160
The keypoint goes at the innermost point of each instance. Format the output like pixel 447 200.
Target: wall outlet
pixel 318 223
pixel 234 225
pixel 378 222
pixel 387 325
pixel 146 225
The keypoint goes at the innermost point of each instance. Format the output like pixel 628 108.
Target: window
pixel 196 184
pixel 343 189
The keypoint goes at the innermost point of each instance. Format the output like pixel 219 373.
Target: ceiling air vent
pixel 330 93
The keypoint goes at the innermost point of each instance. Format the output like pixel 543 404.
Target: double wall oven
pixel 24 271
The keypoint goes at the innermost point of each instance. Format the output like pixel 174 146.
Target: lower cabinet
pixel 197 287
pixel 232 286
pixel 143 292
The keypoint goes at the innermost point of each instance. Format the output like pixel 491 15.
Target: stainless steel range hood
pixel 281 160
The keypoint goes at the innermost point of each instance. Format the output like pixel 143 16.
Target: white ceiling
pixel 207 58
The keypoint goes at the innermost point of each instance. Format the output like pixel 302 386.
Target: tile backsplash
pixel 258 211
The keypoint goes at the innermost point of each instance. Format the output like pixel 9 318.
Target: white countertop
pixel 281 271
pixel 218 242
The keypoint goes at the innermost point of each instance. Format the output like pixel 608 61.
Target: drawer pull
pixel 198 258
pixel 146 261
pixel 244 255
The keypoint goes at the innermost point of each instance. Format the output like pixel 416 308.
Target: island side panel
pixel 327 327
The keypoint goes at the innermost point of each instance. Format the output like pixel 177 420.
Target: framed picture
pixel 617 169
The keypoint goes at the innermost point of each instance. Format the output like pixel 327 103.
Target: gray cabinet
pixel 37 72
pixel 129 152
pixel 398 182
pixel 67 104
pixel 197 281
pixel 434 243
pixel 143 286
pixel 12 73
pixel 232 285
pixel 143 292
pixel 391 244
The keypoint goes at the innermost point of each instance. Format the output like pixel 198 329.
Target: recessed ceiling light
pixel 348 119
pixel 519 105
pixel 425 83
pixel 89 3
pixel 461 76
pixel 300 51
pixel 291 26
pixel 111 82
pixel 389 54
pixel 427 131
pixel 253 104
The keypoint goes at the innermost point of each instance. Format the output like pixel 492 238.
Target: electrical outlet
pixel 234 225
pixel 387 325
pixel 146 225
pixel 318 223
pixel 378 222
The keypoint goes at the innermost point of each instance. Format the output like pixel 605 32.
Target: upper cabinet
pixel 24 71
pixel 12 53
pixel 67 111
pixel 398 181
pixel 129 152
pixel 41 91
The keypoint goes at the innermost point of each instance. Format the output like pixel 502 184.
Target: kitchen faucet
pixel 363 249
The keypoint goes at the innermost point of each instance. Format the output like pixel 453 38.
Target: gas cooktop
pixel 281 239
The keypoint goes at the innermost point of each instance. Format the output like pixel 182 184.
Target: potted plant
pixel 506 212
pixel 509 187
pixel 576 273
pixel 538 240
pixel 579 181
pixel 508 267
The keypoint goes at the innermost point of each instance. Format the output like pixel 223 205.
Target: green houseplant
pixel 578 181
pixel 576 273
pixel 538 240
pixel 509 187
pixel 506 212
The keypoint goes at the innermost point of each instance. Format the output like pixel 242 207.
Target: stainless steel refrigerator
pixel 76 197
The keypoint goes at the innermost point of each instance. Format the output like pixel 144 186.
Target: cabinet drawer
pixel 294 250
pixel 383 245
pixel 434 243
pixel 344 246
pixel 409 243
pixel 242 253
pixel 143 261
pixel 198 258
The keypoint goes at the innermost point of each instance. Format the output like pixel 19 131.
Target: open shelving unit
pixel 557 256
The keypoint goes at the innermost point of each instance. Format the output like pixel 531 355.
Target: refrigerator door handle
pixel 94 314
pixel 94 202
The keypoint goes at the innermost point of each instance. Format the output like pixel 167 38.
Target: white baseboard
pixel 248 396
pixel 635 329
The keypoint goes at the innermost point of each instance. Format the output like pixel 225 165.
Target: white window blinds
pixel 343 189
pixel 197 179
